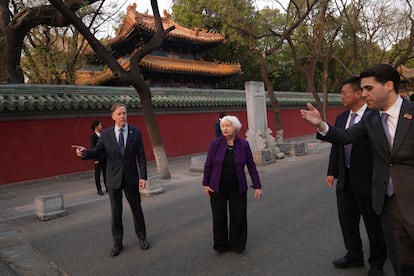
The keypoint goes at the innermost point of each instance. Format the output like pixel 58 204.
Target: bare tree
pixel 310 41
pixel 132 77
pixel 296 13
pixel 403 52
pixel 52 55
pixel 16 24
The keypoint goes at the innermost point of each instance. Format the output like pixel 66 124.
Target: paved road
pixel 293 230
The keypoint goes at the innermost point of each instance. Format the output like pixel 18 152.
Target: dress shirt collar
pixel 394 110
pixel 117 128
pixel 360 112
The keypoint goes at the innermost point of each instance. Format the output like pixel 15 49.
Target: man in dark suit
pixel 99 164
pixel 351 165
pixel 122 144
pixel 217 128
pixel 390 130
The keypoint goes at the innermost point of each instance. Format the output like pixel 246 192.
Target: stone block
pixel 154 186
pixel 197 163
pixel 312 147
pixel 293 147
pixel 263 157
pixel 50 206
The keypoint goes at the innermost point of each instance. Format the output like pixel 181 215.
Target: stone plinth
pixel 197 163
pixel 263 157
pixel 287 148
pixel 312 147
pixel 49 206
pixel 154 186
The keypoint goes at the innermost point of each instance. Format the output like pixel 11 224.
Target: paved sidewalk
pixel 18 200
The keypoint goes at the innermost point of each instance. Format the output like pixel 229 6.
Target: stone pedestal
pixel 297 147
pixel 49 206
pixel 312 148
pixel 197 163
pixel 154 186
pixel 263 157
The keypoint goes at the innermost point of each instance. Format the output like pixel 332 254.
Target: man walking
pixel 351 165
pixel 123 147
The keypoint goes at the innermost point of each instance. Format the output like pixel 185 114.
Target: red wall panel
pixel 34 149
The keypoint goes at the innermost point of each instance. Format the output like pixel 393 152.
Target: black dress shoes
pixel 218 252
pixel 345 262
pixel 100 193
pixel 241 252
pixel 116 250
pixel 143 243
pixel 376 271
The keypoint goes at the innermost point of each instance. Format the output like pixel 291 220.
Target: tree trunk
pixel 325 89
pixel 13 49
pixel 134 77
pixel 153 131
pixel 274 103
pixel 13 30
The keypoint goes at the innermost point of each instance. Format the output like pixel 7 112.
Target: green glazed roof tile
pixel 18 98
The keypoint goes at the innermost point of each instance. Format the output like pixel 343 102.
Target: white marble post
pixel 262 143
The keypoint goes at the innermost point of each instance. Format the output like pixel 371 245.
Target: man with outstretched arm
pixel 390 129
pixel 122 144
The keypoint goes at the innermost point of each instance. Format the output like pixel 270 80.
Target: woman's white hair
pixel 233 120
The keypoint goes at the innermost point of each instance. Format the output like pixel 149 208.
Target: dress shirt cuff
pixel 323 133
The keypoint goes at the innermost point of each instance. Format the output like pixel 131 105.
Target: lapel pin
pixel 408 116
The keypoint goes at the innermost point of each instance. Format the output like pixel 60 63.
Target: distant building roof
pixel 134 19
pixel 138 24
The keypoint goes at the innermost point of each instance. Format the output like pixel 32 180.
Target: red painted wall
pixel 34 149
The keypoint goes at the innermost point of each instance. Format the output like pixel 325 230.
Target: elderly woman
pixel 224 181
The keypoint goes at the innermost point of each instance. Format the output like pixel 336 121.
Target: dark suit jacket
pixel 118 165
pixel 360 173
pixel 399 163
pixel 94 140
pixel 217 129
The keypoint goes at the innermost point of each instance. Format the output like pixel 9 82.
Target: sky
pixel 144 5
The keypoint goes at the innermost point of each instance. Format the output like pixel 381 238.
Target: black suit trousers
pixel 134 199
pixel 100 167
pixel 350 209
pixel 233 238
pixel 399 235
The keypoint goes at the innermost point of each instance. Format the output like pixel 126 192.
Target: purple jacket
pixel 242 157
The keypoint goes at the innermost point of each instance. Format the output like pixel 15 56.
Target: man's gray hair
pixel 117 105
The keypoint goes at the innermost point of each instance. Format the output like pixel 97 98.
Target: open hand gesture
pixel 312 116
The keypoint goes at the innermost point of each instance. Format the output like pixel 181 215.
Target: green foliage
pixel 51 56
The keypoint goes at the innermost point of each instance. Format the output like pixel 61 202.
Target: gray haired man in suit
pixel 122 145
pixel 390 129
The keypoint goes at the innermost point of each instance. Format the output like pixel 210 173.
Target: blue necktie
pixel 384 121
pixel 348 147
pixel 121 143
